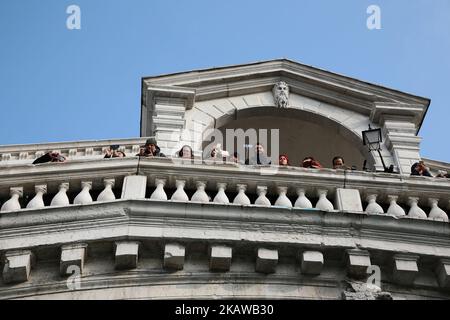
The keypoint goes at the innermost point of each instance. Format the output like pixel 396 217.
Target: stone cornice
pixel 275 66
pixel 159 220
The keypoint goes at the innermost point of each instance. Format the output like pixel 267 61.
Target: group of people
pixel 259 157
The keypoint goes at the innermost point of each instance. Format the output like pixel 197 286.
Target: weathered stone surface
pixel 443 273
pixel 72 256
pixel 266 260
pixel 174 256
pixel 405 268
pixel 126 255
pixel 17 266
pixel 220 258
pixel 362 291
pixel 357 263
pixel 311 262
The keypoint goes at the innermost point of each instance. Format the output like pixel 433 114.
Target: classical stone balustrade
pixel 84 182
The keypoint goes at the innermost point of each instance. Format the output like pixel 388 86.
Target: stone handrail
pixel 26 153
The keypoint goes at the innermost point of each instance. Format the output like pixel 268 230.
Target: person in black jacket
pixel 151 149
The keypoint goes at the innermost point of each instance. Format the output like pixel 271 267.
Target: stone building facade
pixel 171 228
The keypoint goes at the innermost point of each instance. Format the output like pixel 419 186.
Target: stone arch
pixel 217 113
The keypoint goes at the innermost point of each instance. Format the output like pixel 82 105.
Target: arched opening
pixel 301 134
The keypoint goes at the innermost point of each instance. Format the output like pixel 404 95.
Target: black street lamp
pixel 372 138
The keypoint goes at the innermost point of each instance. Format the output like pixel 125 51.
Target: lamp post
pixel 372 138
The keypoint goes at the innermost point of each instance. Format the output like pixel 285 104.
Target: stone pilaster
pixel 401 140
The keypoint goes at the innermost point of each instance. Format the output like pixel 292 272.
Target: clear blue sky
pixel 63 85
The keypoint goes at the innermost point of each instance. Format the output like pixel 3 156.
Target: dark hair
pixel 308 158
pixel 284 155
pixel 414 166
pixel 180 153
pixel 338 157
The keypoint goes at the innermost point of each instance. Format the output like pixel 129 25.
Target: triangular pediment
pixel 356 95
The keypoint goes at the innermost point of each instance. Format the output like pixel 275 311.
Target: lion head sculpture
pixel 281 94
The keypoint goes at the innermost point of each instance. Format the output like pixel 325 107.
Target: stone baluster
pixel 38 200
pixel 107 194
pixel 61 199
pixel 84 196
pixel 436 213
pixel 23 156
pixel 89 151
pixel 302 201
pixel 6 156
pixel 415 211
pixel 200 195
pixel 72 153
pixel 394 209
pixel 262 200
pixel 373 206
pixel 13 203
pixel 180 194
pixel 323 203
pixel 159 193
pixel 241 197
pixel 221 196
pixel 135 149
pixel 283 200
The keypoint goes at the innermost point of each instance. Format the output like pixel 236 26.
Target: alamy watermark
pixel 73 282
pixel 374 20
pixel 250 146
pixel 73 21
pixel 374 278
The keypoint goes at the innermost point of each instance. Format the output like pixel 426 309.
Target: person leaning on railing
pixel 338 163
pixel 283 160
pixel 310 162
pixel 114 152
pixel 185 152
pixel 50 157
pixel 419 169
pixel 151 149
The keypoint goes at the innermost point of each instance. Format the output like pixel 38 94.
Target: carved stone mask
pixel 281 94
